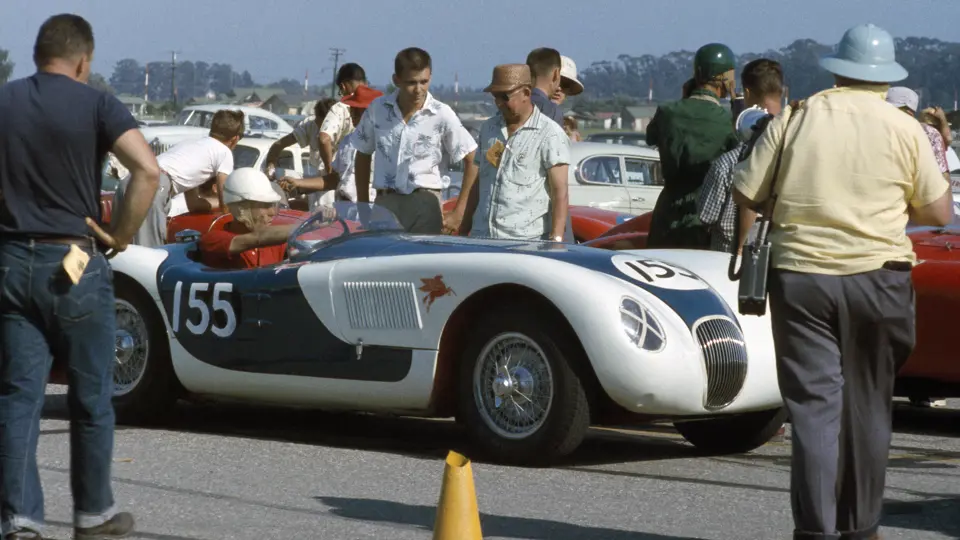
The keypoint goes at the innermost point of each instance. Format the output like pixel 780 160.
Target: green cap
pixel 711 60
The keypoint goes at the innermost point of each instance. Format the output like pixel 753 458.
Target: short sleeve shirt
pixel 939 149
pixel 515 196
pixel 345 165
pixel 846 210
pixel 337 124
pixel 192 163
pixel 55 134
pixel 409 155
pixel 215 252
pixel 307 134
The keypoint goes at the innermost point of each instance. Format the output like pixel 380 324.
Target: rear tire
pixel 734 434
pixel 145 385
pixel 543 412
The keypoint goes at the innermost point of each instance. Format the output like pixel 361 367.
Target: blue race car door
pixel 295 341
pixel 213 313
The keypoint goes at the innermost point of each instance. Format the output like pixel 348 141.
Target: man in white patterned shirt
pixel 410 131
pixel 523 157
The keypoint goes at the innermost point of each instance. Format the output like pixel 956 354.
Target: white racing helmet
pixel 248 184
pixel 747 120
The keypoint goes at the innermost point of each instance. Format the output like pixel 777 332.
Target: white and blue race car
pixel 527 344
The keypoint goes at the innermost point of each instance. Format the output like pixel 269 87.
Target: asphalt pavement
pixel 228 472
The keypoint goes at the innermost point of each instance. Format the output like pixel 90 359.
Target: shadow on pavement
pixel 926 421
pixel 410 437
pixel 493 526
pixel 934 515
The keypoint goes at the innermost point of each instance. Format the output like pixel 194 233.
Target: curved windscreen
pixel 341 220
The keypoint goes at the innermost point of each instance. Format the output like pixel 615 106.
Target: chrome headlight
pixel 643 329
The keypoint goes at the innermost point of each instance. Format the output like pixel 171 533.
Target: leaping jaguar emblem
pixel 435 288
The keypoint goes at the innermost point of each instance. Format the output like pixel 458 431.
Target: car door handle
pixel 637 199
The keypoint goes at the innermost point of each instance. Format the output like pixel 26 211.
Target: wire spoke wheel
pixel 513 385
pixel 132 348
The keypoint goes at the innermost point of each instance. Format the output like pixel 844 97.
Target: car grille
pixel 725 360
pixel 382 305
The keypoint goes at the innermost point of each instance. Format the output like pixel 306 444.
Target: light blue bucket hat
pixel 866 53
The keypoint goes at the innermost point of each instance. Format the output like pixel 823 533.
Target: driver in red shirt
pixel 249 240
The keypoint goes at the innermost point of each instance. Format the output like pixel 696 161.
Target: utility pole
pixel 335 55
pixel 173 76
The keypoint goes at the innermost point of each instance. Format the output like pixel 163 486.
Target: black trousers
pixel 840 341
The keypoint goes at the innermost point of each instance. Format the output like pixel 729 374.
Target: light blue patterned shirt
pixel 515 197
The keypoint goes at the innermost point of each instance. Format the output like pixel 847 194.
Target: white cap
pixel 568 70
pixel 248 184
pixel 901 96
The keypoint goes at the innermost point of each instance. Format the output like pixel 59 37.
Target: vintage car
pixel 618 177
pixel 932 369
pixel 362 316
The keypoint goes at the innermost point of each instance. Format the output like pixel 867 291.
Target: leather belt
pixel 385 191
pixel 83 242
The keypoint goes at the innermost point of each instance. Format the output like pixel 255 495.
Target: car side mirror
pixel 186 236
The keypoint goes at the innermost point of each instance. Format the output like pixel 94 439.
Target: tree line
pixel 934 68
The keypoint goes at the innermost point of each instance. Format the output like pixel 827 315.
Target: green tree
pixel 100 83
pixel 6 66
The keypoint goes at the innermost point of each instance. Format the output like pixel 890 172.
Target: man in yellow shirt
pixel 854 171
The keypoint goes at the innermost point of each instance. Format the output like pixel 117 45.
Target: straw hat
pixel 508 77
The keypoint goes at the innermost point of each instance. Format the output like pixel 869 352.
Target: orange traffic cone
pixel 457 515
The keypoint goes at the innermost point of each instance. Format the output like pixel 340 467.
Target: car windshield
pixel 343 219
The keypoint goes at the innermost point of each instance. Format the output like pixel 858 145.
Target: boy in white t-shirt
pixel 343 164
pixel 183 169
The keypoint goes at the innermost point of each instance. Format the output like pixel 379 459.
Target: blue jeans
pixel 44 315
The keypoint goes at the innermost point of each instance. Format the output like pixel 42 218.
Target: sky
pixel 284 38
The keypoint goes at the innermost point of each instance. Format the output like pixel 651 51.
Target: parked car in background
pixel 618 137
pixel 257 120
pixel 620 177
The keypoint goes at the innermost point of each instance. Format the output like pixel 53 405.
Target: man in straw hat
pixel 853 171
pixel 521 192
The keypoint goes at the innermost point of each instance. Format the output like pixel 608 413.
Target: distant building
pixel 637 118
pixel 136 105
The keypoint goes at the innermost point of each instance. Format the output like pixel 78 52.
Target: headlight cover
pixel 641 327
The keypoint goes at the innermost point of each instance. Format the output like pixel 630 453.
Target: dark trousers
pixel 839 342
pixel 42 315
pixel 419 212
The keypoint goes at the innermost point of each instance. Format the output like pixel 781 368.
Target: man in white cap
pixel 569 84
pixel 249 240
pixel 853 170
pixel 908 101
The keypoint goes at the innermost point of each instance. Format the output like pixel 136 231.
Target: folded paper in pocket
pixel 495 153
pixel 75 263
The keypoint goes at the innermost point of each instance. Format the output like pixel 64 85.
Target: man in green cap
pixel 690 134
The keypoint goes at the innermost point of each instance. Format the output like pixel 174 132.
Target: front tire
pixel 734 434
pixel 144 384
pixel 519 397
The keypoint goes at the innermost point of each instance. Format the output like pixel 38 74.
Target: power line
pixel 335 55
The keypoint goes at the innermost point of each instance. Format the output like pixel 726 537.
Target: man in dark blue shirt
pixel 545 65
pixel 55 281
